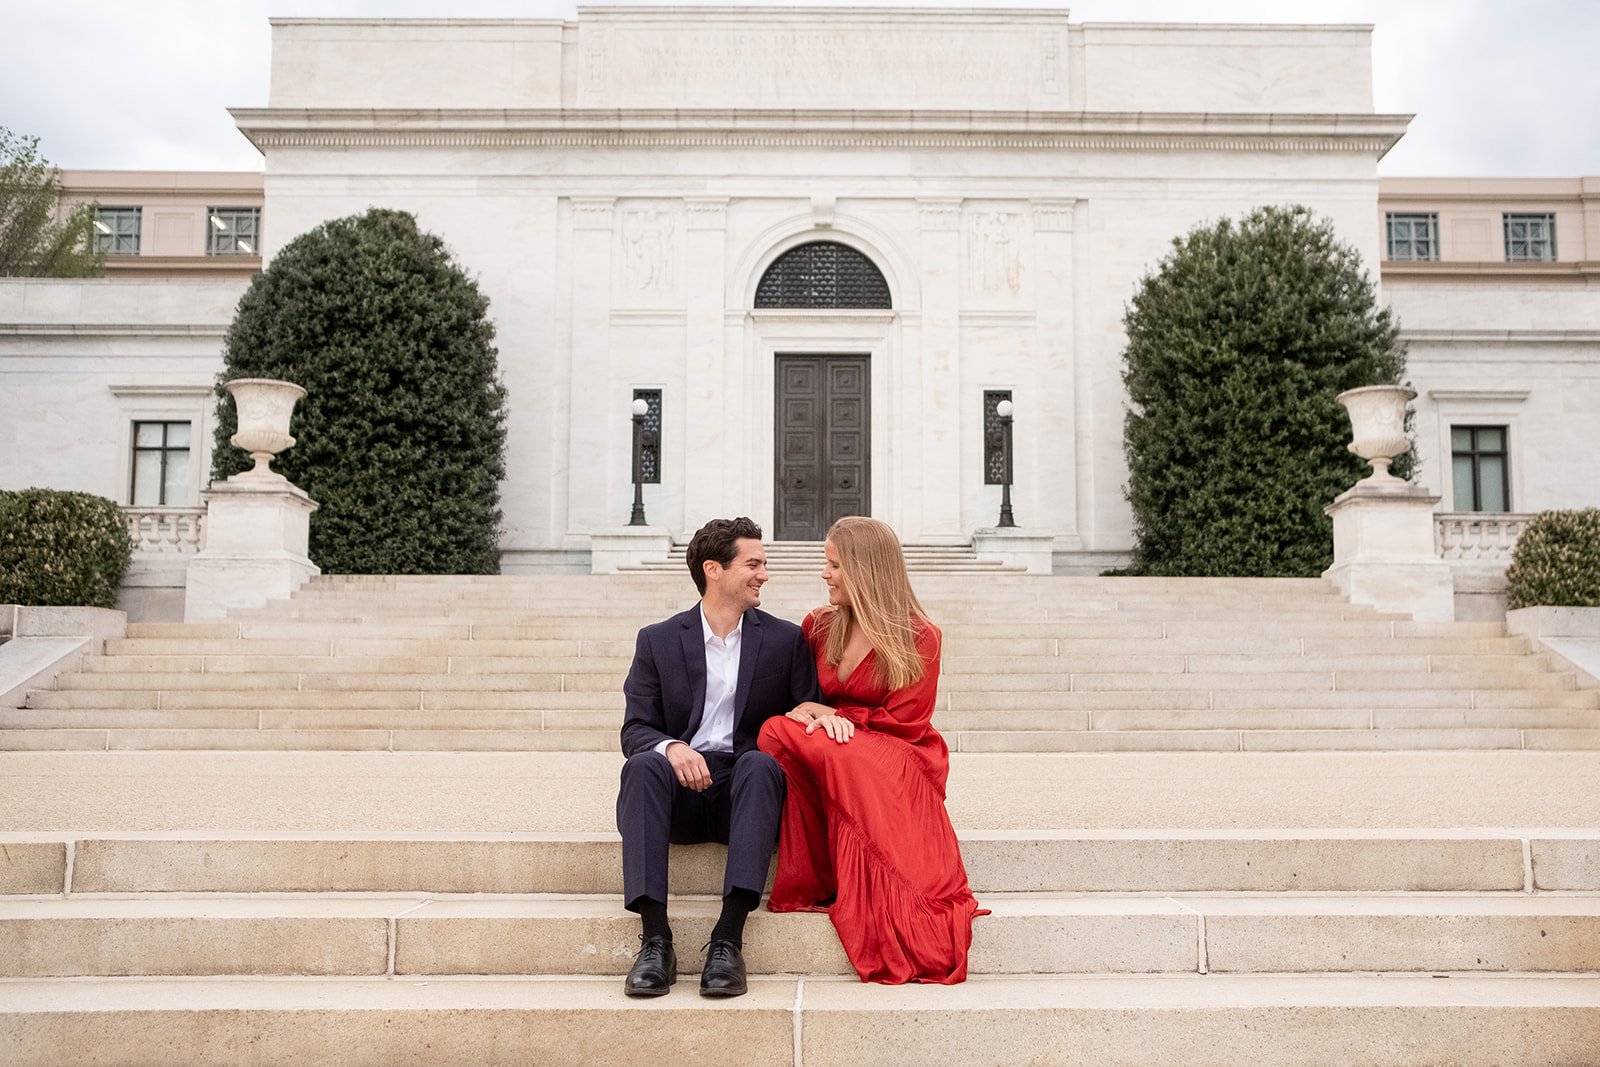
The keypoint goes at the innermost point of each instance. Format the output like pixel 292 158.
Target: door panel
pixel 823 443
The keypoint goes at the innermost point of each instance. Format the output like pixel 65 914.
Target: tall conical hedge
pixel 401 436
pixel 1237 345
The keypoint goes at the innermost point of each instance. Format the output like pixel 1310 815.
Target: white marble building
pixel 621 186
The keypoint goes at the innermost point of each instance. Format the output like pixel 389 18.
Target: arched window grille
pixel 823 274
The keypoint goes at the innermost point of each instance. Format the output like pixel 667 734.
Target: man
pixel 701 685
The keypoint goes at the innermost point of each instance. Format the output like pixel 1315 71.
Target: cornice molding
pixel 1502 337
pixel 50 329
pixel 270 128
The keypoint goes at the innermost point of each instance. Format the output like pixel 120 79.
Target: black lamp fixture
pixel 1004 410
pixel 641 408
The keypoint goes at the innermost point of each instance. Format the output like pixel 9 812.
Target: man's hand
pixel 808 712
pixel 841 730
pixel 689 766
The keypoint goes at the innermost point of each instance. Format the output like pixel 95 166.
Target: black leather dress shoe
pixel 655 968
pixel 723 974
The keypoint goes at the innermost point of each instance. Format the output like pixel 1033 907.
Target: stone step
pixel 243 689
pixel 590 935
pixel 1471 1020
pixel 1263 698
pixel 567 656
pixel 115 737
pixel 1198 861
pixel 326 700
pixel 609 700
pixel 1266 740
pixel 1286 718
pixel 625 629
pixel 606 721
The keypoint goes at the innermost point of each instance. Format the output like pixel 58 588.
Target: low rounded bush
pixel 61 548
pixel 1557 562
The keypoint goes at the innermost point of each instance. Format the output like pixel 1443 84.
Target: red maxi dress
pixel 865 822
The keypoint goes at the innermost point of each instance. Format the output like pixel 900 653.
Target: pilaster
pixel 939 388
pixel 713 385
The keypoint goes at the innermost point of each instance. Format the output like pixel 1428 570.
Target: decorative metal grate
pixel 823 274
pixel 994 454
pixel 650 442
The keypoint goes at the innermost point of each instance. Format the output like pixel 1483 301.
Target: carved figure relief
pixel 994 261
pixel 648 236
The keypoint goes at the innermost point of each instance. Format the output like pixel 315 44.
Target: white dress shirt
pixel 715 733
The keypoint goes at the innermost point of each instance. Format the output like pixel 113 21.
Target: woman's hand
pixel 841 730
pixel 809 712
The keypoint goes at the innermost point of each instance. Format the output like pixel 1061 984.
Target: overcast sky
pixel 1497 88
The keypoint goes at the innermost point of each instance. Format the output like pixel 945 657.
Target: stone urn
pixel 1378 418
pixel 264 406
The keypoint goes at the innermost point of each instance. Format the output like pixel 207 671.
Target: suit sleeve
pixel 645 718
pixel 905 713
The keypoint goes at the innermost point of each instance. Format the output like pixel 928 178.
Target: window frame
pixel 224 232
pixel 1411 219
pixel 142 402
pixel 1474 455
pixel 107 232
pixel 1547 219
pixel 164 450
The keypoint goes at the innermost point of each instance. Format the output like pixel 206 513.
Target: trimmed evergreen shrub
pixel 1556 562
pixel 1237 345
pixel 401 436
pixel 61 549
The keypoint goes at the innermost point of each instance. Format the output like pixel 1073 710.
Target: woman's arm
pixel 907 712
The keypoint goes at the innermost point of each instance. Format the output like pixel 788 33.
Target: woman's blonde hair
pixel 873 574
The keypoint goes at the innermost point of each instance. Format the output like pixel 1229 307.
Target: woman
pixel 865 835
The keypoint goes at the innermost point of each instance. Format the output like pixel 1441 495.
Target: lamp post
pixel 640 409
pixel 1004 410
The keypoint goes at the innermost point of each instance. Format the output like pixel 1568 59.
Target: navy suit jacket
pixel 666 686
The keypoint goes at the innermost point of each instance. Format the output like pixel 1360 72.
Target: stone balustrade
pixel 166 530
pixel 1478 536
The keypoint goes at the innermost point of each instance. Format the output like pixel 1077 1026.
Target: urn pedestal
pixel 1383 551
pixel 258 524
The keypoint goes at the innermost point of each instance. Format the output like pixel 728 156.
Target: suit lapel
pixel 749 652
pixel 694 668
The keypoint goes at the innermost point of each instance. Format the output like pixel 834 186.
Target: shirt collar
pixel 707 635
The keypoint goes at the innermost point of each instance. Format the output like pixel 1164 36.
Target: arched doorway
pixel 822 422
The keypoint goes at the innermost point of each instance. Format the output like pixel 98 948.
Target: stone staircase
pixel 1158 786
pixel 805 557
pixel 1032 664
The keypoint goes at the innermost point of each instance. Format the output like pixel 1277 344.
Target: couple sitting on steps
pixel 738 721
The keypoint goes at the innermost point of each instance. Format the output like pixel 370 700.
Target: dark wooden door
pixel 823 443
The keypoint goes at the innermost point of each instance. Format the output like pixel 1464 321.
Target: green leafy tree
pixel 401 436
pixel 1238 344
pixel 34 243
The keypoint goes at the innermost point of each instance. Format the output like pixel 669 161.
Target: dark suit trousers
pixel 741 809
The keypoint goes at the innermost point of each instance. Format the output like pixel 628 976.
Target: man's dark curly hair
pixel 715 541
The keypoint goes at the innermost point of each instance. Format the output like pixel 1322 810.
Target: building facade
pixel 822 245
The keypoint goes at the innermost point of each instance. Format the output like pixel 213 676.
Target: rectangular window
pixel 994 454
pixel 650 445
pixel 1413 235
pixel 233 231
pixel 1530 238
pixel 116 230
pixel 160 465
pixel 1480 468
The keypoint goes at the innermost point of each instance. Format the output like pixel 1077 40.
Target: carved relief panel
pixel 997 242
pixel 649 254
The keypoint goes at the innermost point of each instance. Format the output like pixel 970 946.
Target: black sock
pixel 654 914
pixel 736 908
